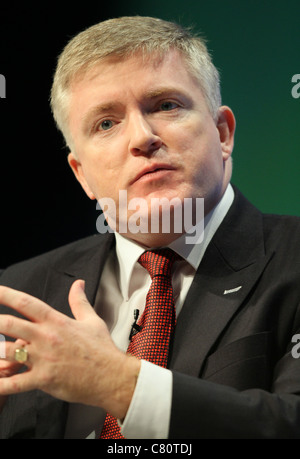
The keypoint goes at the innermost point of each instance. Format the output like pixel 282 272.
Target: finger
pixel 9 368
pixel 21 382
pixel 10 349
pixel 16 327
pixel 79 304
pixel 27 305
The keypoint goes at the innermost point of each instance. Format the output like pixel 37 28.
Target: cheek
pixel 96 180
pixel 102 173
pixel 201 156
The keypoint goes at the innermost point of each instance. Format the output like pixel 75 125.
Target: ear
pixel 226 127
pixel 79 174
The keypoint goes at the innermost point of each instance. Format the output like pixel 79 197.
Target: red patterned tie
pixel 157 322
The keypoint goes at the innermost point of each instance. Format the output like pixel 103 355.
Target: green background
pixel 256 47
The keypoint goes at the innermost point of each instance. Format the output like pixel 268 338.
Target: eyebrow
pixel 162 91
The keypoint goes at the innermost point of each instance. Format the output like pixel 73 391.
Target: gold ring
pixel 21 355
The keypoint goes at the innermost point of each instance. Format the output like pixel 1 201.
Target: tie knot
pixel 158 262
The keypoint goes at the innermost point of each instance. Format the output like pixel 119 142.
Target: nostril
pixel 145 146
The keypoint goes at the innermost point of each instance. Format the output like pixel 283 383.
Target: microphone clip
pixel 135 328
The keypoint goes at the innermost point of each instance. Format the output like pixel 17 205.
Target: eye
pixel 168 105
pixel 105 125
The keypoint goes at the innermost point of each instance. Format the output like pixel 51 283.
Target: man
pixel 138 102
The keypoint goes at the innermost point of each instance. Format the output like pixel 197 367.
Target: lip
pixel 153 168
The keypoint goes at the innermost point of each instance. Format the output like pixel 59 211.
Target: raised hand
pixel 72 359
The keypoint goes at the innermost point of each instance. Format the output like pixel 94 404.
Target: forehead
pixel 139 68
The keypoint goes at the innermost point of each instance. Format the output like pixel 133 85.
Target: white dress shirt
pixel 123 288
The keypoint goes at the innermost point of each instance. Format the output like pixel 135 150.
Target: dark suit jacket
pixel 234 374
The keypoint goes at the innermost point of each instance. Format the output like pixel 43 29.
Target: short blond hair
pixel 121 38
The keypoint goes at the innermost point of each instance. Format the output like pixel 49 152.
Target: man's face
pixel 144 127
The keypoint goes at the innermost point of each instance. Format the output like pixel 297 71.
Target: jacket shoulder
pixel 282 232
pixel 33 271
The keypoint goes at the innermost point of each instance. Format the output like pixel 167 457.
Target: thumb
pixel 79 304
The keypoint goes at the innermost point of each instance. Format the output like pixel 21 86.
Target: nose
pixel 143 139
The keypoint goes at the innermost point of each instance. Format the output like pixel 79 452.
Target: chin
pixel 153 240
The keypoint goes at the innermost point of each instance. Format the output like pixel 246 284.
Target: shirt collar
pixel 128 251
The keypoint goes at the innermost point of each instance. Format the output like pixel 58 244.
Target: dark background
pixel 256 47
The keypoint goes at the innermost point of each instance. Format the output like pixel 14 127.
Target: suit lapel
pixel 85 263
pixel 233 262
